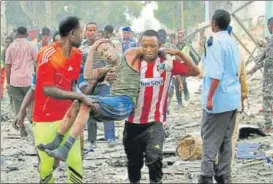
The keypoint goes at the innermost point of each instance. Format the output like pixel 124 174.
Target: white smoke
pixel 147 19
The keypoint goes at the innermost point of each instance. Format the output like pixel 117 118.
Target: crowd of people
pixel 77 76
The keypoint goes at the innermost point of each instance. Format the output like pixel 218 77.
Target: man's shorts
pixel 112 108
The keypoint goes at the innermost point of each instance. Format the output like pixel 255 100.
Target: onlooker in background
pixel 56 36
pixel 176 80
pixel 172 38
pixel 28 100
pixel 127 41
pixel 13 34
pixel 185 46
pixel 108 33
pixel 20 57
pixel 100 34
pixel 133 36
pixel 46 36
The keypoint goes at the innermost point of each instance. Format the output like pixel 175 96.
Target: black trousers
pixel 144 141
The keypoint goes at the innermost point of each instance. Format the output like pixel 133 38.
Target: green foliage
pixel 15 15
pixel 102 12
pixel 108 12
pixel 169 13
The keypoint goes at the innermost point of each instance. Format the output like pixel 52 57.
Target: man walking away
pixel 220 81
pixel 20 57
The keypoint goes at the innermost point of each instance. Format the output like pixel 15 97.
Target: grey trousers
pixel 216 131
pixel 18 94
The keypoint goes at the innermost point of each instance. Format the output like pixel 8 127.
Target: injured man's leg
pixel 67 122
pixel 105 108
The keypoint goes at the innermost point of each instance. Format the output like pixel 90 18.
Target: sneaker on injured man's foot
pixel 61 153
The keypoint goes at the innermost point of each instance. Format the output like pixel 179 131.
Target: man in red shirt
pixel 58 68
pixel 144 133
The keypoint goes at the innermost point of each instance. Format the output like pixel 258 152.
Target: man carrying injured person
pixel 124 90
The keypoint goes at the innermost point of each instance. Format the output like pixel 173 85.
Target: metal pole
pixel 241 43
pixel 243 6
pixel 244 28
pixel 207 18
pixel 182 15
pixel 251 56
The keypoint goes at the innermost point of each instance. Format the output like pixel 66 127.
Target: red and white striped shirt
pixel 152 98
pixel 20 55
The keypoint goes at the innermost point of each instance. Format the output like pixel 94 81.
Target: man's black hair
pixel 45 31
pixel 222 19
pixel 162 36
pixel 55 35
pixel 90 23
pixel 109 29
pixel 150 33
pixel 270 21
pixel 21 30
pixel 67 25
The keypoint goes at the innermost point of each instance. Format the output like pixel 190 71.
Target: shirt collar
pixel 225 32
pixel 19 39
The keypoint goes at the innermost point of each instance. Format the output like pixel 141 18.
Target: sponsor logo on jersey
pixel 147 82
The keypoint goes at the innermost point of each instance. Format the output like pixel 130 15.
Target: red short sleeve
pixel 46 74
pixel 180 68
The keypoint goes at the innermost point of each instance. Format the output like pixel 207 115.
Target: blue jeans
pixel 108 112
pixel 109 127
pixel 111 108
